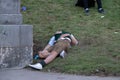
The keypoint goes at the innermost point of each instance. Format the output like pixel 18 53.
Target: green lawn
pixel 98 51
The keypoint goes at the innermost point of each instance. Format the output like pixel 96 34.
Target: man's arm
pixel 47 46
pixel 50 43
pixel 74 40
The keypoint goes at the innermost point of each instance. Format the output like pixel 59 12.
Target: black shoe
pixel 101 10
pixel 87 11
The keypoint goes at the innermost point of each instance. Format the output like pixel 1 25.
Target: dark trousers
pixel 86 2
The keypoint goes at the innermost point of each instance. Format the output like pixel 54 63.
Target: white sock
pixel 62 54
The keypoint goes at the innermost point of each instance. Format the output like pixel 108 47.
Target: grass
pixel 98 51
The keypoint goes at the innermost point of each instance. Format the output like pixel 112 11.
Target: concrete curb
pixel 24 74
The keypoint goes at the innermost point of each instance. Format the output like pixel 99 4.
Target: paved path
pixel 24 74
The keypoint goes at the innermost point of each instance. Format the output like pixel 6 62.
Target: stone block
pixel 9 6
pixel 16 35
pixel 15 57
pixel 9 36
pixel 26 37
pixel 11 19
pixel 16 45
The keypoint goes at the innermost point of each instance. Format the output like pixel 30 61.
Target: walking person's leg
pixel 85 2
pixel 86 9
pixel 100 9
pixel 99 3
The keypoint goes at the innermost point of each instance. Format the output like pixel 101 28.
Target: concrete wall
pixel 16 45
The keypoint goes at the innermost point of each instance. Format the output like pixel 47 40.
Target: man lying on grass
pixel 58 45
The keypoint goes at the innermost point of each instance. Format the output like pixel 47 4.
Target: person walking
pixel 99 3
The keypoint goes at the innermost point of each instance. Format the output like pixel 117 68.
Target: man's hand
pixel 64 35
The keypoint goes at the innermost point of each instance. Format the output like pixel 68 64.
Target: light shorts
pixel 59 46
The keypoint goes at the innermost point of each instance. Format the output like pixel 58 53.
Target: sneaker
pixel 101 10
pixel 87 11
pixel 36 66
pixel 62 54
pixel 36 56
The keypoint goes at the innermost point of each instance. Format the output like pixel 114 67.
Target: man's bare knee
pixel 43 54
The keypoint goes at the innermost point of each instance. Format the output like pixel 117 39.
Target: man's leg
pixel 49 59
pixel 41 55
pixel 100 9
pixel 57 48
